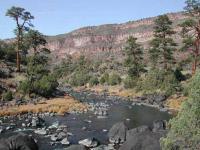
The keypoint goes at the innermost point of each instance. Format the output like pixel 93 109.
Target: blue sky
pixel 54 17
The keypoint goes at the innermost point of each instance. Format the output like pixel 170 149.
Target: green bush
pixel 25 87
pixel 130 82
pixel 170 83
pixel 7 96
pixel 7 51
pixel 93 81
pixel 179 75
pixel 184 132
pixel 45 86
pixel 159 81
pixel 2 53
pixel 114 79
pixel 10 54
pixel 79 79
pixel 1 74
pixel 104 78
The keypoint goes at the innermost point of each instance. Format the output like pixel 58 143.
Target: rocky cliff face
pixel 97 41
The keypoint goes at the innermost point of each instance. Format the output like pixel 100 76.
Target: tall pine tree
pixel 163 45
pixel 23 21
pixel 134 57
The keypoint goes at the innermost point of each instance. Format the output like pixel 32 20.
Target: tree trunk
pixel 18 61
pixel 165 60
pixel 18 55
pixel 194 66
pixel 196 55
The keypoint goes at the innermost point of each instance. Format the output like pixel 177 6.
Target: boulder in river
pixel 37 122
pixel 58 136
pixel 18 142
pixel 117 134
pixel 90 142
pixel 134 131
pixel 1 129
pixel 65 141
pixel 41 131
pixel 104 147
pixel 55 125
pixel 76 147
pixel 54 137
pixel 159 125
pixel 143 141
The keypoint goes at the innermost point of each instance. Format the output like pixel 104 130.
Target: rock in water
pixel 90 142
pixel 65 141
pixel 56 137
pixel 104 147
pixel 134 131
pixel 1 129
pixel 76 147
pixel 143 141
pixel 159 125
pixel 18 142
pixel 37 122
pixel 117 134
pixel 41 131
pixel 55 125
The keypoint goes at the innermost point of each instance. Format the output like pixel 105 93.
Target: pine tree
pixel 134 57
pixel 191 31
pixel 163 45
pixel 23 21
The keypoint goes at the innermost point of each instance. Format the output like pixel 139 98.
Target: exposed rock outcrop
pixel 18 142
pixel 143 141
pixel 99 41
pixel 76 147
pixel 117 134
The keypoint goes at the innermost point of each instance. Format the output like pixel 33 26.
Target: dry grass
pixel 56 105
pixel 174 102
pixel 129 93
pixel 114 90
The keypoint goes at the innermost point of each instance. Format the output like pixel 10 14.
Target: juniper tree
pixel 23 21
pixel 134 57
pixel 162 45
pixel 191 31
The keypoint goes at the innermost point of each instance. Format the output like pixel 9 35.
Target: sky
pixel 53 17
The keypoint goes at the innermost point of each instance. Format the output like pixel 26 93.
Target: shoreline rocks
pixel 90 142
pixel 18 142
pixel 140 138
pixel 117 134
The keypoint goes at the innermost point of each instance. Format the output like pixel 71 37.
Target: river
pixel 90 124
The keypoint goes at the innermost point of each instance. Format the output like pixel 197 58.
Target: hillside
pixel 101 41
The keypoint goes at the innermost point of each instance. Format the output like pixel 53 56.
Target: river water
pixel 88 124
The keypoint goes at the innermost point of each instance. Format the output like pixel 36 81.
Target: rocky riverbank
pixel 159 101
pixel 120 137
pixel 107 124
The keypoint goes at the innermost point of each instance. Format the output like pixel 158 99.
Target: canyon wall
pixel 97 40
